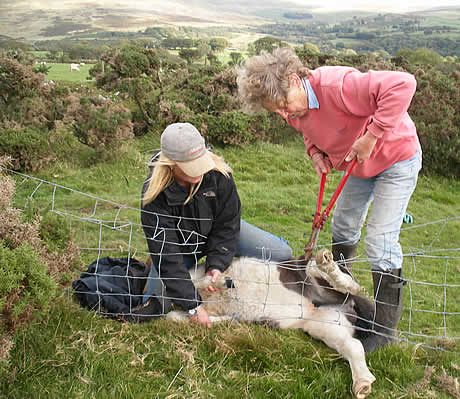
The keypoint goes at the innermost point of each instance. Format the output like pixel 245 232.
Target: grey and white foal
pixel 317 298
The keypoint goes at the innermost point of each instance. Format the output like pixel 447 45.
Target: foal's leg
pixel 332 327
pixel 179 315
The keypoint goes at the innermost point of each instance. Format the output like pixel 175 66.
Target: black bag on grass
pixel 114 287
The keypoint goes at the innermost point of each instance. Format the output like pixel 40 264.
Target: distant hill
pixel 32 20
pixel 240 21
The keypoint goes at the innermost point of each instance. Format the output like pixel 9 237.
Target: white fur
pixel 74 67
pixel 259 295
pixel 325 268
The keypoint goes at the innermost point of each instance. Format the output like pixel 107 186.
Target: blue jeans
pixel 390 192
pixel 252 242
pixel 258 243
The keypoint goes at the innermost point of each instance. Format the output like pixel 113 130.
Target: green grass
pixel 39 54
pixel 73 353
pixel 62 72
pixel 443 19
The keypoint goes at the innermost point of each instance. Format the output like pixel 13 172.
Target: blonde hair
pixel 264 78
pixel 162 176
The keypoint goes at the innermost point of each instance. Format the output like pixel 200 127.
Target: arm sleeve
pixel 310 148
pixel 384 95
pixel 224 235
pixel 163 243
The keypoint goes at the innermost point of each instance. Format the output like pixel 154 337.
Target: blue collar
pixel 312 100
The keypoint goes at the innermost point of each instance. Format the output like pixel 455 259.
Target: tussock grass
pixel 73 353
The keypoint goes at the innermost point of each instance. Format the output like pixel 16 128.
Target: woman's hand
pixel 362 148
pixel 214 273
pixel 321 163
pixel 201 317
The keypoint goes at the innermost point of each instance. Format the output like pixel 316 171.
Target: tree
pixel 157 32
pixel 212 58
pixel 173 43
pixel 311 47
pixel 236 58
pixel 421 56
pixel 404 53
pixel 189 55
pixel 12 44
pixel 203 48
pixel 218 44
pixel 348 51
pixel 18 81
pixel 136 71
pixel 42 68
pixel 425 56
pixel 133 63
pixel 268 44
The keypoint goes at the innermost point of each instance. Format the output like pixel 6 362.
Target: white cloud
pixel 383 5
pixel 173 6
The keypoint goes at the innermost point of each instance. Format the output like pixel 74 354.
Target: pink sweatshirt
pixel 351 102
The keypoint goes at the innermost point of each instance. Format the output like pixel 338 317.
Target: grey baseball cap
pixel 183 143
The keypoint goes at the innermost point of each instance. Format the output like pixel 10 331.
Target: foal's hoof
pixel 363 387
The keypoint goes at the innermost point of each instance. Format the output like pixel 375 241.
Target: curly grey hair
pixel 264 78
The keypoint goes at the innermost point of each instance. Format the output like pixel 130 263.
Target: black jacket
pixel 172 230
pixel 111 285
pixel 114 287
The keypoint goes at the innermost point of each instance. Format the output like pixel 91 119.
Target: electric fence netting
pixel 103 228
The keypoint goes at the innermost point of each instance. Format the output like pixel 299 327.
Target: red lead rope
pixel 320 218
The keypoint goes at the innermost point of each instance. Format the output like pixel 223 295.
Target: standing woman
pixel 345 114
pixel 191 209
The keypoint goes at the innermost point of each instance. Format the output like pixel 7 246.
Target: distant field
pixel 39 54
pixel 62 72
pixel 241 40
pixel 446 18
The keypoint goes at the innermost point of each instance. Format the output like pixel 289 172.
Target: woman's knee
pixel 282 252
pixel 261 244
pixel 344 232
pixel 383 252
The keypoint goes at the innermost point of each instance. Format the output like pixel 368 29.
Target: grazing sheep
pixel 317 298
pixel 74 67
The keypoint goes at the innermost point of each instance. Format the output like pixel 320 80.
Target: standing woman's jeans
pixel 390 192
pixel 253 242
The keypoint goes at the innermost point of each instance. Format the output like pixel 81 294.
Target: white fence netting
pixel 431 313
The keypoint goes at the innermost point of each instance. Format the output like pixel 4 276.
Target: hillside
pixel 61 18
pixel 240 22
pixel 30 20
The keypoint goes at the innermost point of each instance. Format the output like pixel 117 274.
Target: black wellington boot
pixel 388 297
pixel 343 255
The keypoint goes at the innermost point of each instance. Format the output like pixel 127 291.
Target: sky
pixel 401 5
pixel 316 5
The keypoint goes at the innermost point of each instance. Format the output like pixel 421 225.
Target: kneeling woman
pixel 191 209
